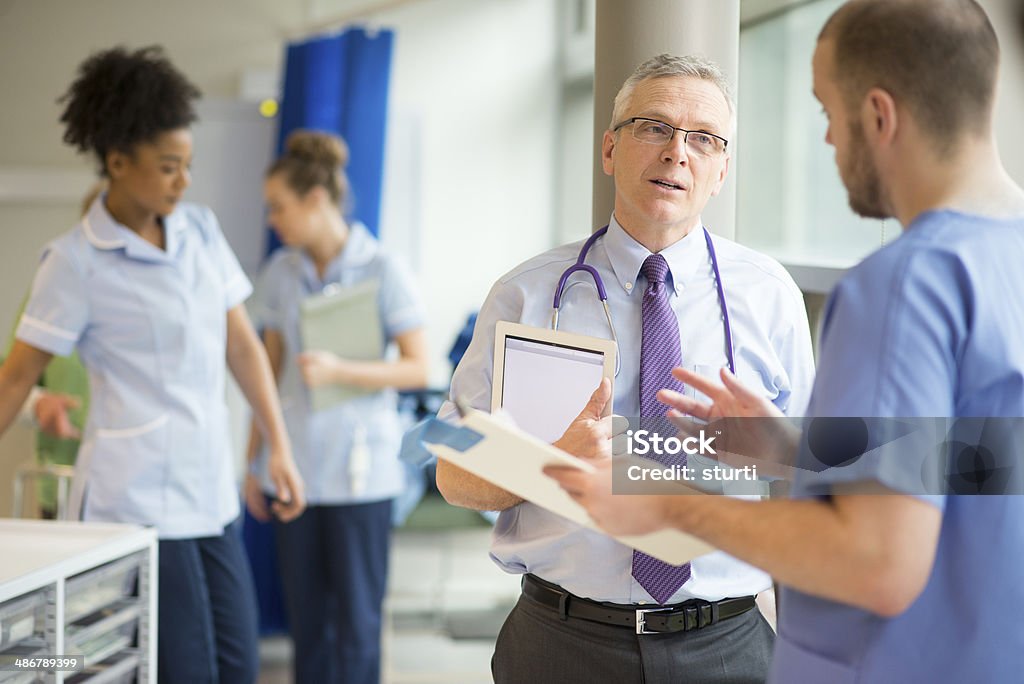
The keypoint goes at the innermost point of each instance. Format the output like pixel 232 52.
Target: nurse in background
pixel 334 558
pixel 149 292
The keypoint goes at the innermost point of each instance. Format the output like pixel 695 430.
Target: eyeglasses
pixel 654 132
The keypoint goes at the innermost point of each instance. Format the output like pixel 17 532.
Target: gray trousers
pixel 536 647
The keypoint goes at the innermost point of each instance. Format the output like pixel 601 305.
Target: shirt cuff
pixel 46 336
pixel 237 290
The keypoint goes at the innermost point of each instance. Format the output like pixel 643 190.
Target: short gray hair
pixel 666 65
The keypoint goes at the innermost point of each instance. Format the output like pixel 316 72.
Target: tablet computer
pixel 543 378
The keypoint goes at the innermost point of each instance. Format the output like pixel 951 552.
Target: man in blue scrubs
pixel 893 586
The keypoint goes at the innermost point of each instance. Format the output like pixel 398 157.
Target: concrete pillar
pixel 628 33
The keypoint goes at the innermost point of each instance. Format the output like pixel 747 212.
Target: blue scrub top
pixel 773 354
pixel 323 441
pixel 929 326
pixel 150 326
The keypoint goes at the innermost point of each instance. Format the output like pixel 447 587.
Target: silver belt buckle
pixel 641 619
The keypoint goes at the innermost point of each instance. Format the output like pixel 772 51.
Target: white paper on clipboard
pixel 514 460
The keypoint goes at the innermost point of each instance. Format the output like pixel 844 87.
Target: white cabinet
pixel 70 588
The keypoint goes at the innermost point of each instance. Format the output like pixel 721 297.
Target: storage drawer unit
pixel 79 589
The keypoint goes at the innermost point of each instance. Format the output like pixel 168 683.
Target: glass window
pixel 790 201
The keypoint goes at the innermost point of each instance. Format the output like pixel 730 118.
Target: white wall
pixel 575 178
pixel 474 89
pixel 1006 18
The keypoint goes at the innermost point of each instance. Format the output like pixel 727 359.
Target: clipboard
pixel 345 321
pixel 504 455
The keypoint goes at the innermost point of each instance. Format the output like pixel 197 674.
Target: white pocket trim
pixel 125 433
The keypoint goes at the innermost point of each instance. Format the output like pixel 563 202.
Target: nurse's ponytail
pixel 315 159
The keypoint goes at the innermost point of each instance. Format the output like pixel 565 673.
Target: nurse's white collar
pixel 360 249
pixel 626 256
pixel 104 232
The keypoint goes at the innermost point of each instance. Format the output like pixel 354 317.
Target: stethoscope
pixel 580 265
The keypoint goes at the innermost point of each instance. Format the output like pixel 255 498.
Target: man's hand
pixel 751 430
pixel 732 399
pixel 255 501
pixel 589 435
pixel 620 515
pixel 288 487
pixel 51 414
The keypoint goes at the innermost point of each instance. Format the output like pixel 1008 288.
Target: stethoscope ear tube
pixel 580 265
pixel 556 302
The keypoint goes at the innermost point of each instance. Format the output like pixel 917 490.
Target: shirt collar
pixel 104 232
pixel 626 255
pixel 175 225
pixel 360 249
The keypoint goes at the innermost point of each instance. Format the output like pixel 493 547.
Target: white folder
pixel 514 460
pixel 346 321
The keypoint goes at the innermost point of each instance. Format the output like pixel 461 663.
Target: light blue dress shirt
pixel 150 326
pixel 322 441
pixel 773 353
pixel 929 326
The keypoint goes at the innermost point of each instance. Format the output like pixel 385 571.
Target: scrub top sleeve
pixel 57 311
pixel 888 367
pixel 929 324
pixel 237 287
pixel 890 340
pixel 400 305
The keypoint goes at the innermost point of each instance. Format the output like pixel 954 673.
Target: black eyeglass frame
pixel 685 132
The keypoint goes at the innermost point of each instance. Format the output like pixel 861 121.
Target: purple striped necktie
pixel 659 354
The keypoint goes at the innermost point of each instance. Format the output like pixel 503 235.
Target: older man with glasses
pixel 592 609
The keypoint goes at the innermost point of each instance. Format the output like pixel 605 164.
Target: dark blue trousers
pixel 207 605
pixel 334 566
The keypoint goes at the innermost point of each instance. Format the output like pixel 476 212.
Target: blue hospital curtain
pixel 336 83
pixel 340 84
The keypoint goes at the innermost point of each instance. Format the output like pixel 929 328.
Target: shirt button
pixel 629 286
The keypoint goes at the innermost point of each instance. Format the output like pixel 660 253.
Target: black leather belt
pixel 679 617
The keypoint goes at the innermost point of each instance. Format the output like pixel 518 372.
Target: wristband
pixel 28 409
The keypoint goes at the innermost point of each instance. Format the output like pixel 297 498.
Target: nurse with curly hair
pixel 148 291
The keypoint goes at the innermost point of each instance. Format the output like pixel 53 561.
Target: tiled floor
pixel 445 603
